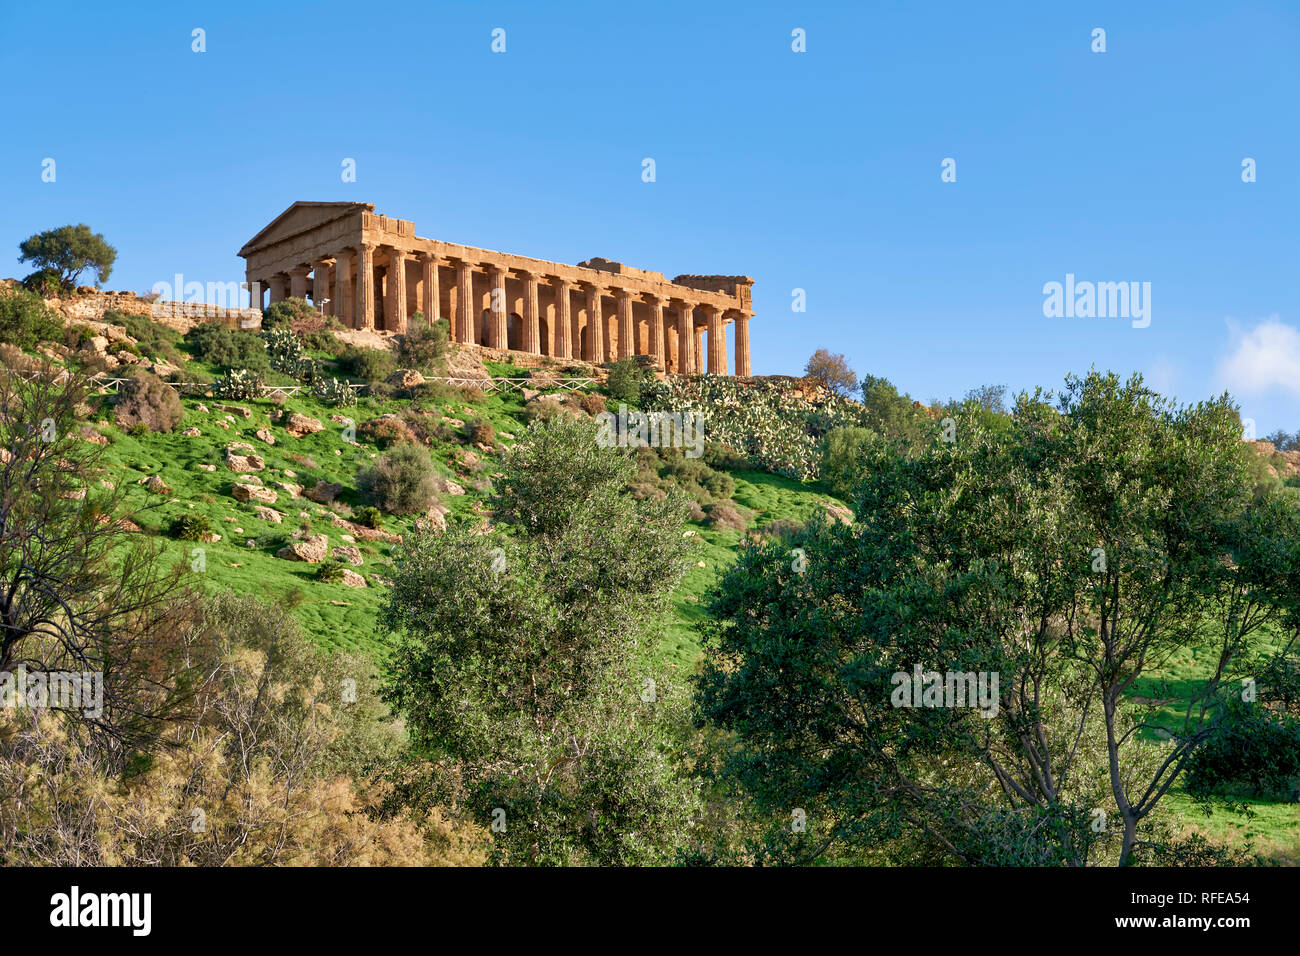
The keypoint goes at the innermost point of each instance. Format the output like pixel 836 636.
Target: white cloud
pixel 1263 358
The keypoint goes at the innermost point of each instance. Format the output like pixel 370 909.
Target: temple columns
pixel 429 292
pixel 532 316
pixel 366 286
pixel 717 342
pixel 278 283
pixel 742 344
pixel 497 337
pixel 466 321
pixel 657 331
pixel 395 306
pixel 595 326
pixel 320 284
pixel 698 354
pixel 685 336
pixel 626 338
pixel 343 288
pixel 563 343
pixel 298 281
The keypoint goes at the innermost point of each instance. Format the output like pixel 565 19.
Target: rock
pixel 264 434
pixel 295 491
pixel 236 410
pixel 405 378
pixel 529 393
pixel 98 343
pixel 324 492
pixel 360 532
pixel 156 485
pixel 352 579
pixel 445 486
pixel 469 460
pixel 348 553
pixel 201 407
pixel 300 425
pixel 269 514
pixel 88 433
pixel 313 550
pixel 192 432
pixel 207 467
pixel 240 457
pixel 243 492
pixel 73 494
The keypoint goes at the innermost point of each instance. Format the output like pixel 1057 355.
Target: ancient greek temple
pixel 373 272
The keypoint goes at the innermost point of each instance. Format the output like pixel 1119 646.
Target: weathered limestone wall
pixel 181 316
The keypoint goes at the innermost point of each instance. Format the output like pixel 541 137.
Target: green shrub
pixel 330 572
pixel 841 461
pixel 146 401
pixel 401 482
pixel 282 314
pixel 191 527
pixel 25 320
pixel 370 516
pixel 422 345
pixel 153 340
pixel 480 432
pixel 283 348
pixel 215 344
pixel 370 365
pixel 627 380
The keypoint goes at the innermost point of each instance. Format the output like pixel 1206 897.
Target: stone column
pixel 278 283
pixel 343 288
pixel 626 335
pixel 366 286
pixel 298 281
pixel 466 321
pixel 320 283
pixel 563 343
pixel 717 345
pixel 532 314
pixel 497 307
pixel 595 326
pixel 254 292
pixel 742 344
pixel 685 336
pixel 700 365
pixel 657 331
pixel 430 297
pixel 395 308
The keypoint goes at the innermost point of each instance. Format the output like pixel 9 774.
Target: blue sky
pixel 816 170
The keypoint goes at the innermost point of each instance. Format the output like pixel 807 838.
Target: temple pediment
pixel 301 217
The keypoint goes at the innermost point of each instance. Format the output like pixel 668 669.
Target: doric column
pixel 563 343
pixel 430 298
pixel 254 291
pixel 532 316
pixel 320 283
pixel 595 326
pixel 626 339
pixel 343 288
pixel 395 308
pixel 685 338
pixel 366 286
pixel 657 331
pixel 466 323
pixel 279 282
pixel 742 344
pixel 497 307
pixel 298 281
pixel 717 345
pixel 700 365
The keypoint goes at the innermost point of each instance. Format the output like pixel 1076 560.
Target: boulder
pixel 445 486
pixel 313 549
pixel 268 514
pixel 192 432
pixel 348 553
pixel 243 492
pixel 405 378
pixel 299 425
pixel 264 434
pixel 235 410
pixel 324 492
pixel 352 579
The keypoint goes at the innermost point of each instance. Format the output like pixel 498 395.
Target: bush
pixel 146 400
pixel 153 341
pixel 422 345
pixel 191 527
pixel 370 516
pixel 24 319
pixel 627 380
pixel 238 383
pixel 335 393
pixel 215 344
pixel 401 482
pixel 593 403
pixel 480 432
pixel 370 365
pixel 282 314
pixel 833 371
pixel 385 431
pixel 330 572
pixel 841 466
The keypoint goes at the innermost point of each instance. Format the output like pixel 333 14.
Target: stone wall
pixel 181 316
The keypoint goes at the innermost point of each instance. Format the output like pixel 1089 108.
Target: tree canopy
pixel 68 251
